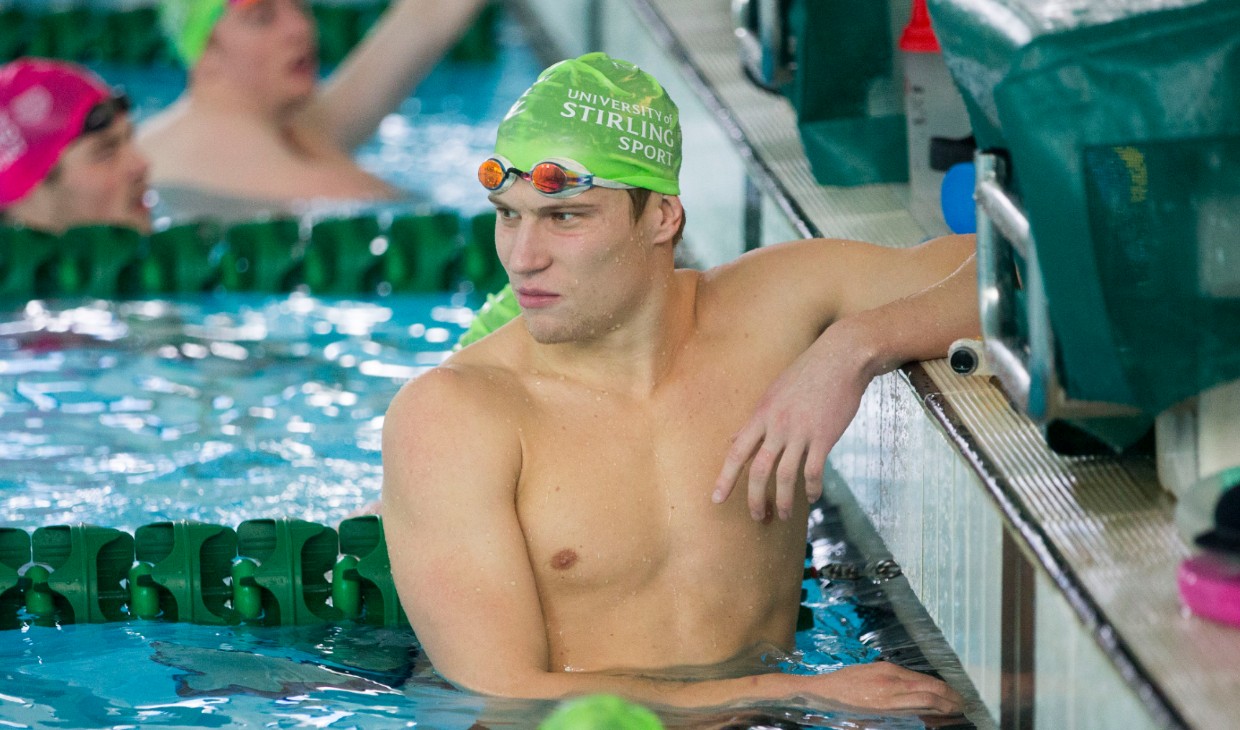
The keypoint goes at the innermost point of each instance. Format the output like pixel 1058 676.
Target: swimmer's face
pixel 269 48
pixel 101 177
pixel 580 266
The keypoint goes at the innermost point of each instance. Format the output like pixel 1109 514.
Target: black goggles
pixel 101 115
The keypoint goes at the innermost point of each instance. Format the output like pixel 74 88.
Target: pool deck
pixel 1051 577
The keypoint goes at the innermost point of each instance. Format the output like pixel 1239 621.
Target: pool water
pixel 206 408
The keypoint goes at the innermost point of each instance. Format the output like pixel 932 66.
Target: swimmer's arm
pixel 450 468
pixel 395 56
pixel 451 459
pixel 867 310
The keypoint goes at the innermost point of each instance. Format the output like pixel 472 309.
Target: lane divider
pixel 432 252
pixel 268 572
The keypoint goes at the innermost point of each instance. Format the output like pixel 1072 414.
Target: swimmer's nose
pixel 139 165
pixel 526 252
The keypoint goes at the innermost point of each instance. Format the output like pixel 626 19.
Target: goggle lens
pixel 492 174
pixel 550 178
pixel 101 115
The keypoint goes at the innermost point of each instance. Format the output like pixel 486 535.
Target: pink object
pixel 43 105
pixel 1210 587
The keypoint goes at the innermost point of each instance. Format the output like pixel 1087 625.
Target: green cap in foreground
pixel 601 712
pixel 604 113
pixel 499 310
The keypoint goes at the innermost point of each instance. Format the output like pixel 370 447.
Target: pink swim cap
pixel 43 107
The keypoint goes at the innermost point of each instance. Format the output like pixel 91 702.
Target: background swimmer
pixel 67 155
pixel 254 120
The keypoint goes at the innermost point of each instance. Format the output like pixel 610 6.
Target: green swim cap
pixel 188 24
pixel 601 712
pixel 500 309
pixel 605 113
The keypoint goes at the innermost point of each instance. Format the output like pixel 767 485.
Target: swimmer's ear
pixel 671 221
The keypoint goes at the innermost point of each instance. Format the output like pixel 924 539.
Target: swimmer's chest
pixel 615 491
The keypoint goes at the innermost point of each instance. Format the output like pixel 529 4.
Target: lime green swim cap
pixel 605 113
pixel 188 24
pixel 601 712
pixel 500 309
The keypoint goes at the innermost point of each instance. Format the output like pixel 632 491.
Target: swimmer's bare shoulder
pixel 464 411
pixel 181 147
pixel 465 388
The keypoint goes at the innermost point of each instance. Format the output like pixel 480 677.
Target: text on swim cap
pixel 12 144
pixel 635 121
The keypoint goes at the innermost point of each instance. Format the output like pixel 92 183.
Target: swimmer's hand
pixel 797 421
pixel 889 688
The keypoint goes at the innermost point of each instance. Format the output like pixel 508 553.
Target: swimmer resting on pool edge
pixel 547 493
pixel 255 122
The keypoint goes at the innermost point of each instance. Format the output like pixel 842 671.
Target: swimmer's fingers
pixel 760 468
pixel 744 443
pixel 890 688
pixel 786 476
pixel 815 461
pixel 926 694
pixel 930 702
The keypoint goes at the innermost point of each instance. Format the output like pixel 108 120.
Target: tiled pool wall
pixel 906 489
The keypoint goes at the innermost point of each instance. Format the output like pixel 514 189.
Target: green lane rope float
pixel 267 572
pixel 84 32
pixel 346 256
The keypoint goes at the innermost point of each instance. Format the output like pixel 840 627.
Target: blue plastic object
pixel 956 197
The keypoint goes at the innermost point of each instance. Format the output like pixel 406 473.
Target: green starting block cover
pixel 1122 124
pixel 845 70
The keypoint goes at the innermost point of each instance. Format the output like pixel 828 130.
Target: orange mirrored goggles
pixel 556 177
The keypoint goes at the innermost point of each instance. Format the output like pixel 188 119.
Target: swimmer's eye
pixel 105 150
